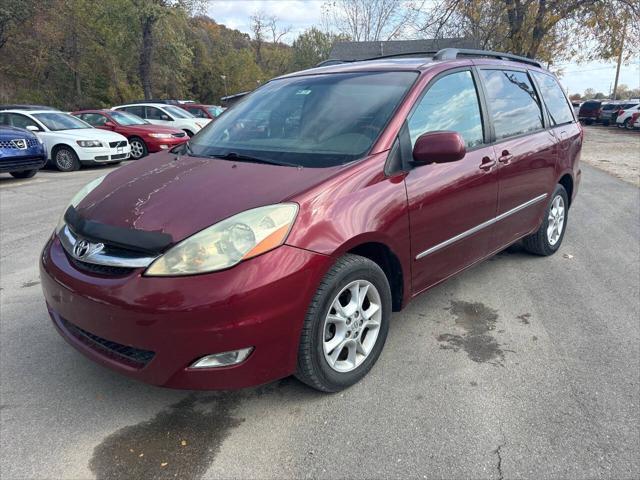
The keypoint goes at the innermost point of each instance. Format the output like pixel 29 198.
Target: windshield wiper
pixel 249 158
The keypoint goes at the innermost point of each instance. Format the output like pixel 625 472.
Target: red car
pixel 202 111
pixel 279 239
pixel 143 136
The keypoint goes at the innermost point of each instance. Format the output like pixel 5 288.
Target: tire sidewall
pixel 559 190
pixel 341 380
pixel 75 163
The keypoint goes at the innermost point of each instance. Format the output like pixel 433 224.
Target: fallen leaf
pixel 568 255
pixel 163 464
pixel 131 450
pixel 141 455
pixel 183 443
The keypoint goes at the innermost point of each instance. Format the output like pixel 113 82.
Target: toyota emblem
pixel 83 248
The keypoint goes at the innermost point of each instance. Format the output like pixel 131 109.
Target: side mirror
pixel 438 147
pixel 33 128
pixel 109 125
pixel 165 117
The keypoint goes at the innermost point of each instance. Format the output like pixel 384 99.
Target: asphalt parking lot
pixel 521 367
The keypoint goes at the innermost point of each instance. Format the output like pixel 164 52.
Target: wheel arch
pixel 388 261
pixel 566 181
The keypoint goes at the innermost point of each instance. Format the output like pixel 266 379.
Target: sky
pixel 303 14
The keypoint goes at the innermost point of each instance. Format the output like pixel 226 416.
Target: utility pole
pixel 615 84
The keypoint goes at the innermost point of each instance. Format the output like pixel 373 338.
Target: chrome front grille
pixel 85 252
pixel 122 143
pixel 11 144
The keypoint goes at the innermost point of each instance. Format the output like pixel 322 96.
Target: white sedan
pixel 69 141
pixel 167 115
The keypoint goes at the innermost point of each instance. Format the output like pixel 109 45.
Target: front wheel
pixel 66 160
pixel 547 239
pixel 24 173
pixel 627 124
pixel 346 326
pixel 138 148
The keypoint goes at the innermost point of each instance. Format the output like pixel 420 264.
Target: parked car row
pixel 609 113
pixel 100 136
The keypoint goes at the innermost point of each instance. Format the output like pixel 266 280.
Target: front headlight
pixel 78 197
pixel 228 242
pixel 89 143
pixel 160 135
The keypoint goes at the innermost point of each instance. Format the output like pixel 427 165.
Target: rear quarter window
pixel 554 99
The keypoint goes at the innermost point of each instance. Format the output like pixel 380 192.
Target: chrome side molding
pixel 477 228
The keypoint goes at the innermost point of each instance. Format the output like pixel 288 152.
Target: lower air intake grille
pixel 134 357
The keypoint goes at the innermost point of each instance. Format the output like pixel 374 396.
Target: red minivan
pixel 280 238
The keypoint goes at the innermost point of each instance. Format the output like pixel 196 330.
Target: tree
pixel 544 29
pixel 265 28
pixel 370 20
pixel 575 97
pixel 589 93
pixel 311 47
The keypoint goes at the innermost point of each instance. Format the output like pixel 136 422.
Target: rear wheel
pixel 65 159
pixel 627 124
pixel 138 148
pixel 548 238
pixel 24 173
pixel 346 326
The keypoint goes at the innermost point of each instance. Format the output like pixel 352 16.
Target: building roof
pixel 365 50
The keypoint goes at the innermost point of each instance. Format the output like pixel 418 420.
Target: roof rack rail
pixel 453 53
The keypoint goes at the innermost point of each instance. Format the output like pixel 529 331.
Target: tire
pixel 65 159
pixel 627 124
pixel 349 273
pixel 138 148
pixel 24 173
pixel 546 241
pixel 189 133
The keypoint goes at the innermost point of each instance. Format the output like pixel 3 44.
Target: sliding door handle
pixel 505 157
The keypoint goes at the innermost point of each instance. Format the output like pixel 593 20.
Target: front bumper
pixel 103 154
pixel 160 144
pixel 22 163
pixel 260 303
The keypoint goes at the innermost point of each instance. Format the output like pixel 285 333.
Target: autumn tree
pixel 313 46
pixel 371 20
pixel 544 29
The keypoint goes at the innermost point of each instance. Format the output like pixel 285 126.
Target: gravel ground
pixel 613 150
pixel 554 395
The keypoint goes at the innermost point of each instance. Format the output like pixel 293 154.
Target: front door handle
pixel 505 157
pixel 487 163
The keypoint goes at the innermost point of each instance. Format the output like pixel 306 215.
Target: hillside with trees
pixel 94 53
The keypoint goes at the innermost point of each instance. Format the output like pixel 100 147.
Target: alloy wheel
pixel 352 325
pixel 555 220
pixel 137 149
pixel 64 160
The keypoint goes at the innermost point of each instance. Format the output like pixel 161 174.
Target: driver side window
pixel 154 113
pixel 451 103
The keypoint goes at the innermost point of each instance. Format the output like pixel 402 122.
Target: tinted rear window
pixel 591 105
pixel 513 103
pixel 554 99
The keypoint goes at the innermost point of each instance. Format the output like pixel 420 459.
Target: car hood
pixel 11 133
pixel 182 195
pixel 89 134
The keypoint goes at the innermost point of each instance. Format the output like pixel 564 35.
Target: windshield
pixel 177 111
pixel 215 111
pixel 312 121
pixel 60 121
pixel 125 119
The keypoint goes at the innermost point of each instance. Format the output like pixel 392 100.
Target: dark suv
pixel 279 239
pixel 590 112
